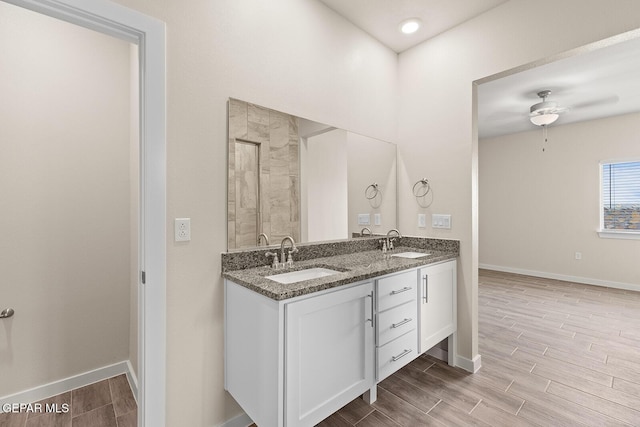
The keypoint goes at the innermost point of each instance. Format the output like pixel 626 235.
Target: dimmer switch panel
pixel 364 219
pixel 441 221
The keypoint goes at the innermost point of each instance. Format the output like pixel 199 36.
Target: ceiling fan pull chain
pixel 544 137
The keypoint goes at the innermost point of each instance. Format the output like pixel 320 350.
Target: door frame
pixel 149 34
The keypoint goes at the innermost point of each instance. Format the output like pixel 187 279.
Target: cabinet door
pixel 438 316
pixel 329 353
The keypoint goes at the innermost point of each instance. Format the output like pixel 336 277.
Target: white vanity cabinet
pixel 397 322
pixel 329 353
pixel 327 340
pixel 438 306
pixel 296 361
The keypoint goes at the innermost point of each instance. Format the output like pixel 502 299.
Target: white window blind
pixel 621 196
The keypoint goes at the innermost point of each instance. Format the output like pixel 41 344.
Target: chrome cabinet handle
pixel 8 312
pixel 401 355
pixel 399 291
pixel 425 296
pixel 396 325
pixel 372 315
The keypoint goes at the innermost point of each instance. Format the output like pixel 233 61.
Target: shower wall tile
pixel 258 123
pixel 231 234
pixel 279 129
pixel 294 157
pixel 294 198
pixel 276 134
pixel 237 119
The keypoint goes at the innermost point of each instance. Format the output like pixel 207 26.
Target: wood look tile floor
pixel 108 403
pixel 553 354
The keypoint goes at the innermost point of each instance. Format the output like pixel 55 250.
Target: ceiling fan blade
pixel 504 115
pixel 597 102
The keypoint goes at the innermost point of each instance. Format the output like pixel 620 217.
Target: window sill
pixel 618 234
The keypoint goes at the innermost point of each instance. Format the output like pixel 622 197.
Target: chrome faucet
pixel 294 249
pixel 263 236
pixel 391 239
pixel 363 230
pixel 275 264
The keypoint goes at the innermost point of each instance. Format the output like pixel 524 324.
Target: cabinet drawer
pixel 397 289
pixel 397 321
pixel 396 354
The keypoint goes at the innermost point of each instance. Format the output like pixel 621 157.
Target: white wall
pixel 436 131
pixel 324 178
pixel 537 209
pixel 290 55
pixel 371 161
pixel 65 188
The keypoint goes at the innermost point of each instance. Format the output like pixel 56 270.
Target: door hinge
pixel 143 277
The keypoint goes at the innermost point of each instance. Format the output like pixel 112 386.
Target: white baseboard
pixel 563 277
pixel 241 420
pixel 133 380
pixel 469 365
pixel 67 384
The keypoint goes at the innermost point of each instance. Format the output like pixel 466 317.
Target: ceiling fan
pixel 546 112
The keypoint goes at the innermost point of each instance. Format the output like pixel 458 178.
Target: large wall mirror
pixel 289 176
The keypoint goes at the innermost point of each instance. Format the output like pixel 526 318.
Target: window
pixel 620 209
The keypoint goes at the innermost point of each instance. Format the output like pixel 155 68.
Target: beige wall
pixel 371 161
pixel 324 181
pixel 436 130
pixel 289 55
pixel 298 56
pixel 537 209
pixel 65 187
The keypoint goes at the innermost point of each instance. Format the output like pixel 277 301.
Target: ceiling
pixel 596 84
pixel 601 83
pixel 381 18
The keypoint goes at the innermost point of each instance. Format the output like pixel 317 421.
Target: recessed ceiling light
pixel 410 26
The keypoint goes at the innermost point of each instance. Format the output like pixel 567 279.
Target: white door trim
pixel 149 34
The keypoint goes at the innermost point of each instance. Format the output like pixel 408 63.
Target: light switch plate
pixel 364 219
pixel 441 221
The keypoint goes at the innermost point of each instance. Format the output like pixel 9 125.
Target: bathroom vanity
pixel 295 352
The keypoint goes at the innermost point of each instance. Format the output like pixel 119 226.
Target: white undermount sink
pixel 410 255
pixel 301 275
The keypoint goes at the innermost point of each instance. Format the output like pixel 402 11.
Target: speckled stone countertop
pixel 353 267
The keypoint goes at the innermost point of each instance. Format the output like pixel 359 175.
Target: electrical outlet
pixel 183 229
pixel 578 255
pixel 377 219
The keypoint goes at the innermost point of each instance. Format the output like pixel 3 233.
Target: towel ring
pixel 423 190
pixel 371 192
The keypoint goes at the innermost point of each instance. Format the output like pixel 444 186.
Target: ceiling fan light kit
pixel 546 112
pixel 544 119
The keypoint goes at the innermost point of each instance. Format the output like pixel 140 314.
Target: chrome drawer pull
pixel 400 356
pixel 372 320
pixel 396 325
pixel 399 291
pixel 425 297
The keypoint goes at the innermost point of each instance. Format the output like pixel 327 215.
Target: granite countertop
pixel 353 267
